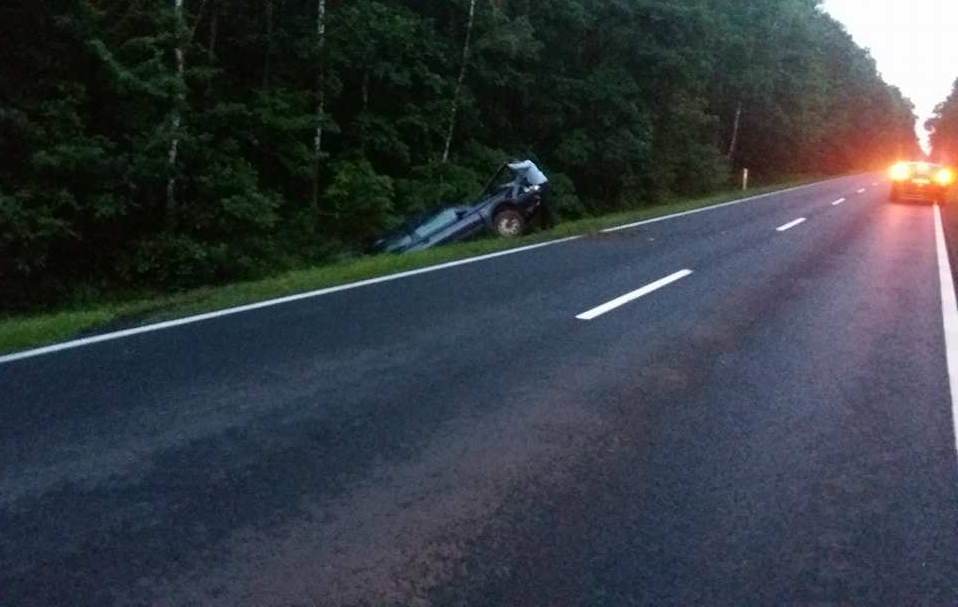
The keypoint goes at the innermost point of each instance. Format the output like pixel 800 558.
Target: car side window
pixel 437 223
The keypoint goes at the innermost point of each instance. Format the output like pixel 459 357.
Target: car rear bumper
pixel 918 191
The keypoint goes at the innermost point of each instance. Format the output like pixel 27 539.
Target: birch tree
pixel 463 66
pixel 176 116
pixel 320 96
pixel 214 32
pixel 268 50
pixel 736 123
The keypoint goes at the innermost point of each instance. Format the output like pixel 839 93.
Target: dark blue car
pixel 508 203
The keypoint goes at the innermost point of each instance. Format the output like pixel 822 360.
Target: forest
pixel 943 129
pixel 166 144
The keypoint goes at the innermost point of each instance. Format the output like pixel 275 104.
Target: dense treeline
pixel 943 128
pixel 167 143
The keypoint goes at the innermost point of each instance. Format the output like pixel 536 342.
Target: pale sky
pixel 914 42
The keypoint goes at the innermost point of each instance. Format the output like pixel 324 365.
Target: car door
pixel 436 229
pixel 470 223
pixel 467 223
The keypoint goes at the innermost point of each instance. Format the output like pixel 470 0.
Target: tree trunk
pixel 269 43
pixel 214 31
pixel 735 127
pixel 365 90
pixel 320 96
pixel 176 118
pixel 459 82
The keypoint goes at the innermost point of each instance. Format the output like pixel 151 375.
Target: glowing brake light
pixel 900 172
pixel 945 177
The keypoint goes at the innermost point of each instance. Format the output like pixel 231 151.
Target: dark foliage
pixel 122 169
pixel 944 129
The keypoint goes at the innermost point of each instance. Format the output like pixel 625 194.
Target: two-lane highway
pixel 744 405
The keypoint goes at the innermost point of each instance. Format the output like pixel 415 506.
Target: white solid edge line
pixel 949 314
pixel 76 343
pixel 629 297
pixel 838 202
pixel 791 224
pixel 268 303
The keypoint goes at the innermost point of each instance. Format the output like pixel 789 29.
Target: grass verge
pixel 29 331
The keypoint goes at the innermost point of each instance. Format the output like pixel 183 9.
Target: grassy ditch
pixel 28 331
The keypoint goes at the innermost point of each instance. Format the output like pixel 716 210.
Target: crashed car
pixel 506 206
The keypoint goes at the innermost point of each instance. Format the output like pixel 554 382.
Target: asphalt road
pixel 773 427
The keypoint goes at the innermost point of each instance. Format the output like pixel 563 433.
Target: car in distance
pixel 921 181
pixel 506 206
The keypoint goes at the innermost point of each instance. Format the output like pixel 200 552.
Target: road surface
pixel 747 405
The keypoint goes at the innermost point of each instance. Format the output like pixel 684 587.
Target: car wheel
pixel 509 223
